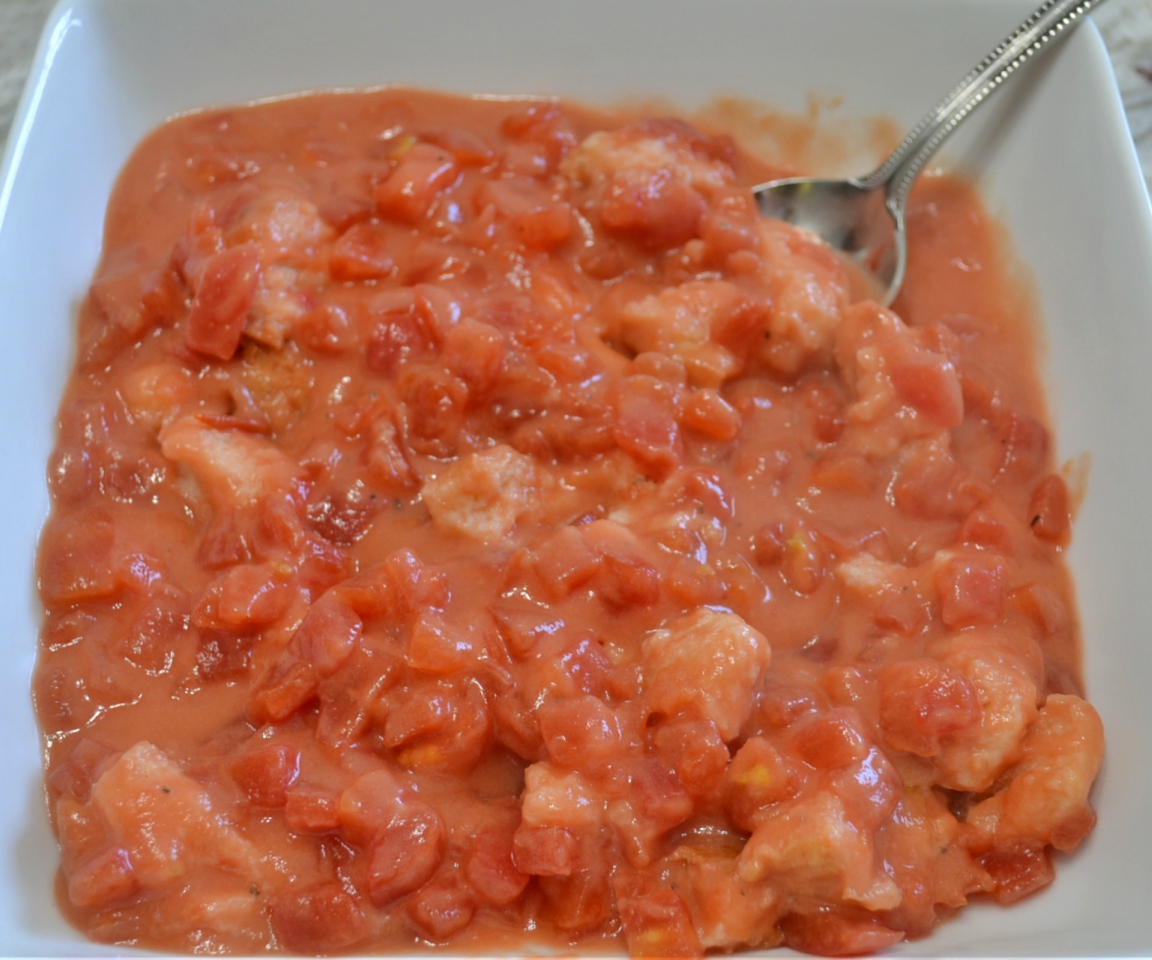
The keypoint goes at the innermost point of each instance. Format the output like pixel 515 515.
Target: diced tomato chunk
pixel 1018 872
pixel 709 414
pixel 405 855
pixel 971 589
pixel 399 337
pixel 223 298
pixel 646 424
pixel 328 634
pixel 929 383
pixel 104 879
pixel 922 701
pixel 319 919
pixel 310 810
pixel 1049 512
pixel 658 211
pixel 75 776
pixel 697 753
pixel 266 773
pixel 368 805
pixel 581 733
pixel 77 560
pixel 492 870
pixel 361 253
pixel 474 352
pixel 831 740
pixel 244 596
pixel 757 777
pixel 564 561
pixel 546 851
pixel 287 691
pixel 221 655
pixel 657 923
pixel 833 934
pixel 410 190
pixel 442 908
pixel 436 646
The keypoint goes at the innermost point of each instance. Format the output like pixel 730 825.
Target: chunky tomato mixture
pixel 474 525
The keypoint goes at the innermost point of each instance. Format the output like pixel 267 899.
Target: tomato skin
pixel 361 253
pixel 922 701
pixel 646 424
pixel 656 923
pixel 328 635
pixel 491 868
pixel 442 908
pixel 1019 872
pixel 311 811
pixel 835 934
pixel 971 590
pixel 405 855
pixel 105 878
pixel 408 193
pixel 546 851
pixel 223 298
pixel 368 805
pixel 1049 512
pixel 658 212
pixel 266 774
pixel 319 919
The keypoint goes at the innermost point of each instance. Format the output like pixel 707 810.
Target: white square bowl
pixel 1053 156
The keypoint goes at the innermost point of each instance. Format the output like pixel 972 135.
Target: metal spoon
pixel 864 216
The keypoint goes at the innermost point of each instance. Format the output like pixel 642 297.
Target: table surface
pixel 1125 24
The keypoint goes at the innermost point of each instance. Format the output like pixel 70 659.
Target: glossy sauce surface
pixel 473 525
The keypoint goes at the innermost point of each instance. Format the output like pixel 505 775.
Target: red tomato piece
pixel 831 740
pixel 266 773
pixel 491 868
pixel 474 352
pixel 328 635
pixel 657 923
pixel 368 805
pixel 408 193
pixel 102 880
pixel 436 646
pixel 646 424
pixel 581 734
pixel 442 908
pixel 657 211
pixel 564 561
pixel 319 919
pixel 830 933
pixel 1049 512
pixel 311 810
pixel 405 855
pixel 1019 871
pixel 971 589
pixel 923 701
pixel 77 559
pixel 757 778
pixel 710 415
pixel 361 253
pixel 546 851
pixel 223 299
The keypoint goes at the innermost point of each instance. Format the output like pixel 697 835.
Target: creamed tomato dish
pixel 474 526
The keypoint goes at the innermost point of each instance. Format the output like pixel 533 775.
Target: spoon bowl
pixel 863 217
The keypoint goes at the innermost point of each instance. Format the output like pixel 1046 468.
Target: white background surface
pixel 121 67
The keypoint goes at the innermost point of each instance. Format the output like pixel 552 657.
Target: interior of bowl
pixel 1052 156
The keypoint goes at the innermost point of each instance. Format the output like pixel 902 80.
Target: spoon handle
pixel 1044 25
